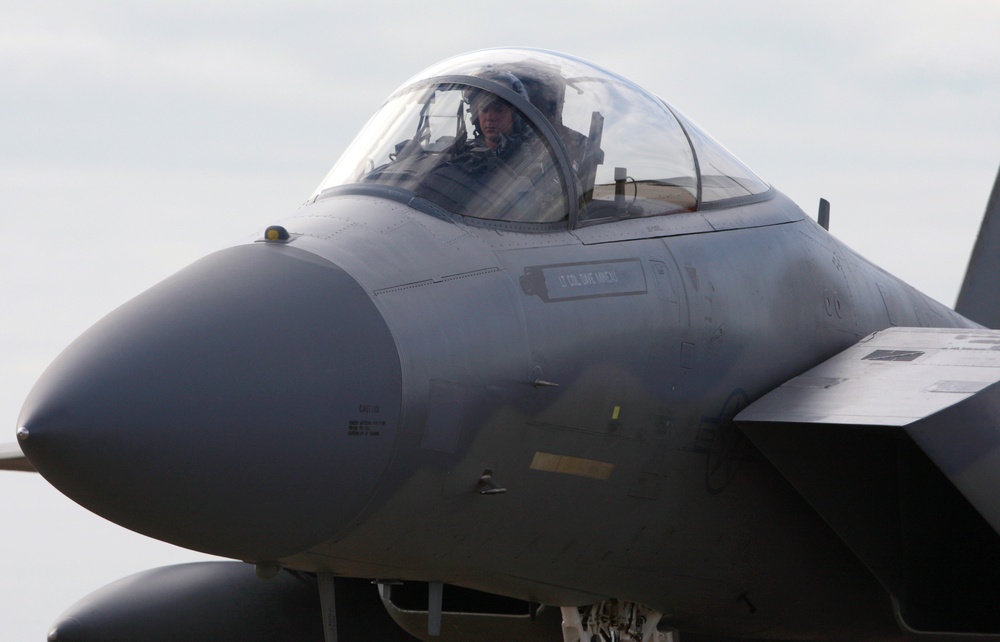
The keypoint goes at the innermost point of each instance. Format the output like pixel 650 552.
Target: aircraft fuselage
pixel 627 478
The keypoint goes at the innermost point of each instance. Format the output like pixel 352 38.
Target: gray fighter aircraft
pixel 539 360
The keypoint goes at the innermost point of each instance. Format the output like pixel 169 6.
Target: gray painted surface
pixel 331 402
pixel 979 298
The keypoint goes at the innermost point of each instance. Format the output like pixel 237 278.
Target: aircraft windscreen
pixel 462 148
pixel 534 136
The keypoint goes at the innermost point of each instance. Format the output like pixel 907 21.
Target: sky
pixel 138 137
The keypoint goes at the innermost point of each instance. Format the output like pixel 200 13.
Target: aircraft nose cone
pixel 245 407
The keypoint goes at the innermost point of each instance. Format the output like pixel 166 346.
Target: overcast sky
pixel 137 137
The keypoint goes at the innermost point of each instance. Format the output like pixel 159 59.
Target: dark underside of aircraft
pixel 539 360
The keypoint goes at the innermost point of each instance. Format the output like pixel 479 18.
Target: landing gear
pixel 613 621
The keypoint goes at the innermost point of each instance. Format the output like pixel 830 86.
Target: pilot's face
pixel 495 118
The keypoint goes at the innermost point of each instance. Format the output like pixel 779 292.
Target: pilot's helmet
pixel 545 86
pixel 477 98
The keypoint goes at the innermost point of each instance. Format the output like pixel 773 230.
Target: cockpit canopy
pixel 539 137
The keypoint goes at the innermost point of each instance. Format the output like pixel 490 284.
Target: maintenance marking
pixel 893 355
pixel 571 465
pixel 368 427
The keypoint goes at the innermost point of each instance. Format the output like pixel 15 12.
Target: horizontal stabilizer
pixel 11 458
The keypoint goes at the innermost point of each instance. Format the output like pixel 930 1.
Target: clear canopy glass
pixel 535 136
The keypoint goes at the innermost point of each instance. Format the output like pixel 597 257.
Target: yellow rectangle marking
pixel 614 415
pixel 571 465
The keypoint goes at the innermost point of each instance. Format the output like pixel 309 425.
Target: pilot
pixel 495 121
pixel 509 156
pixel 496 124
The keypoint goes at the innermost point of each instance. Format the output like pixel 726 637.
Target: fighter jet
pixel 539 360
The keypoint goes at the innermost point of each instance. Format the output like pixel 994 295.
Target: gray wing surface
pixel 895 377
pixel 938 386
pixel 11 458
pixel 895 442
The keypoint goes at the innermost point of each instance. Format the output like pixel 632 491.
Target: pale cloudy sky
pixel 137 137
